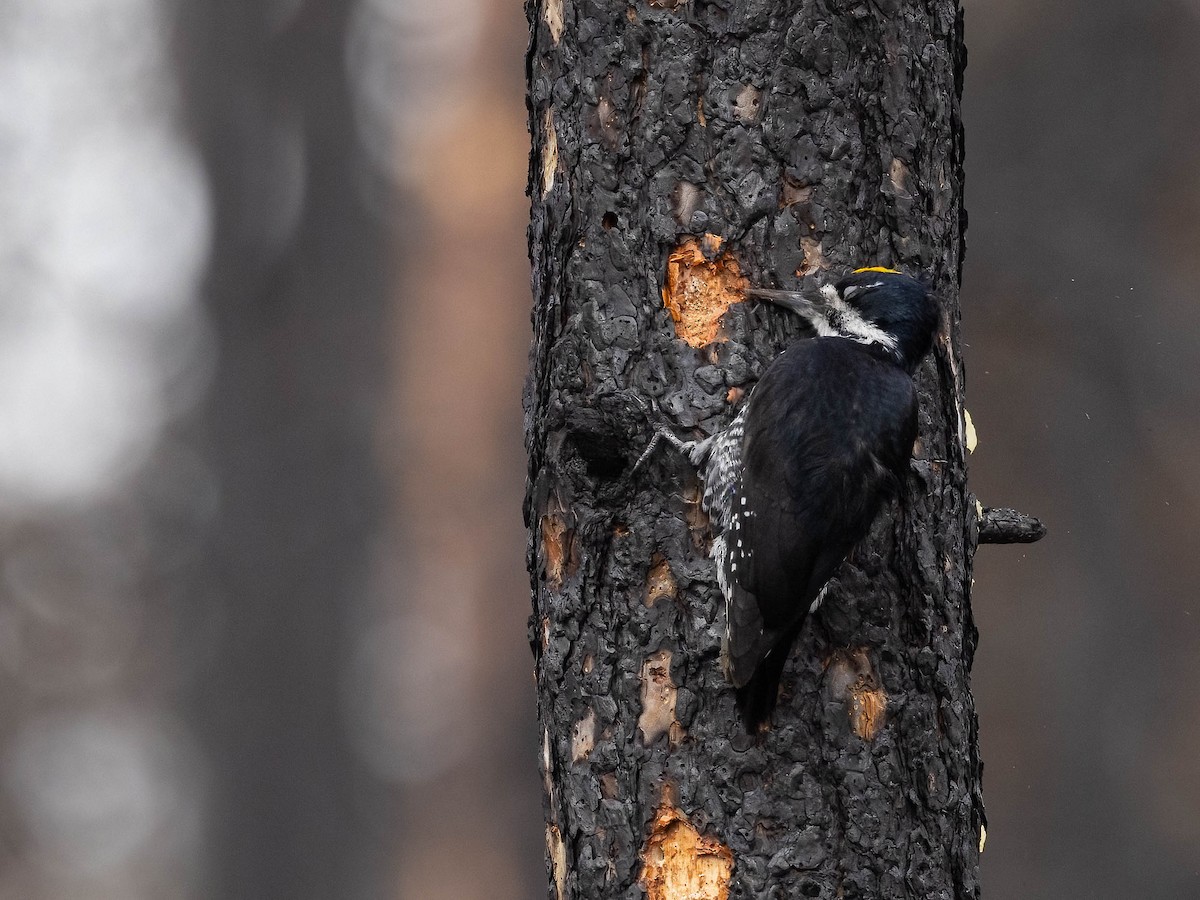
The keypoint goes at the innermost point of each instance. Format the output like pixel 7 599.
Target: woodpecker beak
pixel 803 303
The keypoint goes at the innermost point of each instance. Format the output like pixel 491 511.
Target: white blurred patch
pixel 79 407
pixel 97 790
pixel 105 224
pixel 127 230
pixel 408 696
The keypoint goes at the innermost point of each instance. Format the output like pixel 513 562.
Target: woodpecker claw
pixel 660 434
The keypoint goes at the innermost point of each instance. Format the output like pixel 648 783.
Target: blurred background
pixel 263 329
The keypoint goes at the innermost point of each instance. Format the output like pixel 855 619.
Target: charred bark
pixel 681 152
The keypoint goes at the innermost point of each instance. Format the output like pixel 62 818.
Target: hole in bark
pixel 609 220
pixel 810 889
pixel 602 454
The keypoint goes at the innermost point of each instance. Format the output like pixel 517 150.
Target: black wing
pixel 828 435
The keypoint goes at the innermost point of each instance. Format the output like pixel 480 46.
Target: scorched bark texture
pixel 801 139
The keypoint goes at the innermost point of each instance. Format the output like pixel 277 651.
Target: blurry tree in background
pixel 357 420
pixel 104 348
pixel 242 646
pixel 296 293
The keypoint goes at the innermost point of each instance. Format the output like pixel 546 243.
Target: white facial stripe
pixel 820 317
pixel 839 319
pixel 855 327
pixel 846 321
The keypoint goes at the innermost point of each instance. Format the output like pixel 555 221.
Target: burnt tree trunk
pixel 680 153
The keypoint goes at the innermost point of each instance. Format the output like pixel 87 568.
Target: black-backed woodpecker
pixel 798 476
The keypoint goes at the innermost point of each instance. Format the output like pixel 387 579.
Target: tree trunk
pixel 682 151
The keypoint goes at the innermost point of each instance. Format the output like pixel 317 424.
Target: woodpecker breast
pixel 719 459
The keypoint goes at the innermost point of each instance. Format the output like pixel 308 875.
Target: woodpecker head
pixel 883 306
pixel 874 306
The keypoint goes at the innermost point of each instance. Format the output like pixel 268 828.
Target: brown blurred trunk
pixel 807 142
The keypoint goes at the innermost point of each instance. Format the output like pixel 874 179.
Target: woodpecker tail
pixel 756 699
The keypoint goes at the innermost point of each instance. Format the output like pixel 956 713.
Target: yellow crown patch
pixel 877 269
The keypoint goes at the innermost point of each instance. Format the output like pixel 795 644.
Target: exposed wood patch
pixel 696 517
pixel 658 697
pixel 852 679
pixel 608 786
pixel 547 765
pixel 557 851
pixel 791 194
pixel 660 582
pixel 553 14
pixel 868 709
pixel 686 199
pixel 559 555
pixel 702 282
pixel 814 258
pixel 898 175
pixel 608 122
pixel 549 153
pixel 583 737
pixel 971 439
pixel 679 863
pixel 747 103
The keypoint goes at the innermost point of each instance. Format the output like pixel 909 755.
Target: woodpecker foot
pixel 660 434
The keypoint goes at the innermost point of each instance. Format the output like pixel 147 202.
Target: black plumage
pixel 802 471
pixel 810 495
